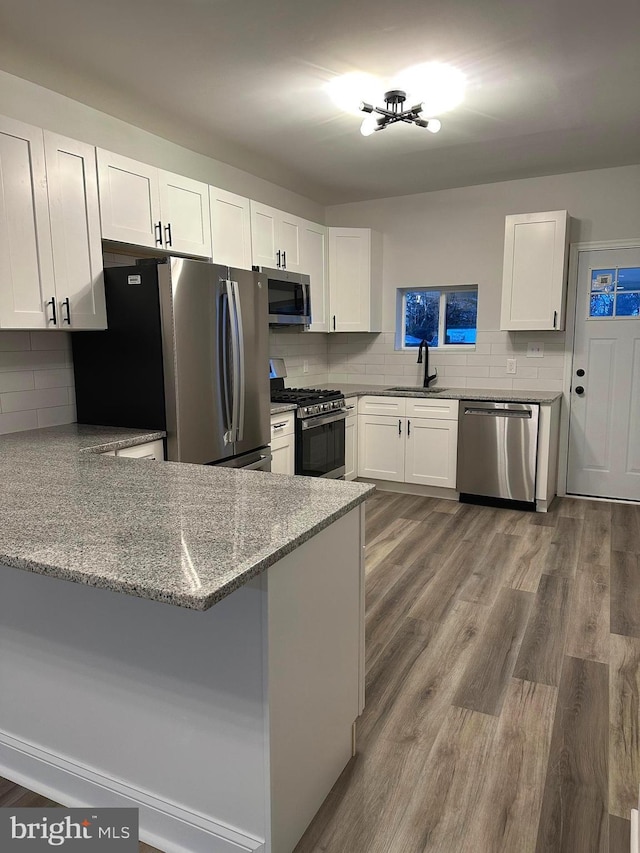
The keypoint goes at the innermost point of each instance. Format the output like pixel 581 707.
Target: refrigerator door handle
pixel 225 383
pixel 240 386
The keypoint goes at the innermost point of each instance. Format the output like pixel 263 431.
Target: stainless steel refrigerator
pixel 186 351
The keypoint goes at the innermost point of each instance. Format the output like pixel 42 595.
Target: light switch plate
pixel 535 349
pixel 511 365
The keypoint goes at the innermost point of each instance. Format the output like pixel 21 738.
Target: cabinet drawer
pixel 282 424
pixel 432 407
pixel 392 406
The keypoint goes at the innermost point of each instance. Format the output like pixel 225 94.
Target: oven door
pixel 320 445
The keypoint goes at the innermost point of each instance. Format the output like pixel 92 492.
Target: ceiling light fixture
pixel 392 112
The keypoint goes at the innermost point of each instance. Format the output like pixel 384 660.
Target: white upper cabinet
pixel 535 271
pixel 314 256
pixel 184 210
pixel 50 247
pixel 275 238
pixel 230 229
pixel 144 206
pixel 26 262
pixel 75 233
pixel 355 280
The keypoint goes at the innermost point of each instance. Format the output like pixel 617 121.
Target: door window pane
pixel 461 316
pixel 628 305
pixel 628 278
pixel 421 317
pixel 602 281
pixel 601 305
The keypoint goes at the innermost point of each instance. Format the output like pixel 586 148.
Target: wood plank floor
pixel 503 684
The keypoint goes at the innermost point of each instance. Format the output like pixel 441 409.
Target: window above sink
pixel 446 317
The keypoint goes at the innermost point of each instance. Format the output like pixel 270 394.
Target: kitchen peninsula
pixel 206 664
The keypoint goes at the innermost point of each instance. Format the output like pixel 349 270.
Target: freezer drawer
pixel 497 447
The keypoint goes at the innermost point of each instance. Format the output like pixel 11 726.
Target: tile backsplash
pixel 298 347
pixel 36 380
pixel 372 359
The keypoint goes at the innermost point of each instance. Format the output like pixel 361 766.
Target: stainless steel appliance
pixel 320 429
pixel 186 351
pixel 497 447
pixel 289 297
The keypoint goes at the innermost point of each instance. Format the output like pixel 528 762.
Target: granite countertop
pixel 490 394
pixel 278 408
pixel 183 534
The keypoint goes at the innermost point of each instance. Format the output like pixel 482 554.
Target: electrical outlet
pixel 305 366
pixel 511 365
pixel 535 349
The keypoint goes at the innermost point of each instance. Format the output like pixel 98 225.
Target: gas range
pixel 310 401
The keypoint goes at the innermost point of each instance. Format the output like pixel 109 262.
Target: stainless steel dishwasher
pixel 497 447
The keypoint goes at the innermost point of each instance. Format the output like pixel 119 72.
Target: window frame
pixel 443 289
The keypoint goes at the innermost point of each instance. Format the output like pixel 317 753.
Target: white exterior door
pixel 604 434
pixel 75 232
pixel 26 263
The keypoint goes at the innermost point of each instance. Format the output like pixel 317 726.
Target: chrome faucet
pixel 427 378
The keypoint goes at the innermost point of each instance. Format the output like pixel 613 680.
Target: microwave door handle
pixel 225 383
pixel 239 397
pixel 305 302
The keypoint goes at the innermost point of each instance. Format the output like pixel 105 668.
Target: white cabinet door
pixel 534 272
pixel 351 448
pixel 314 252
pixel 129 200
pixel 230 229
pixel 75 232
pixel 355 280
pixel 431 452
pixel 381 442
pixel 288 234
pixel 184 210
pixel 152 450
pixel 26 262
pixel 283 455
pixel 264 237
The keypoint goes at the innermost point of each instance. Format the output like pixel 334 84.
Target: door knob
pixel 579 390
pixel 580 372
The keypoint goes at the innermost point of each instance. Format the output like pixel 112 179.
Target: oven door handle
pixel 319 420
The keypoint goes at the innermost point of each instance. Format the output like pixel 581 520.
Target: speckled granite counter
pixel 491 394
pixel 183 534
pixel 277 408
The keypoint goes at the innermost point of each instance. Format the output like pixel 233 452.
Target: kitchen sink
pixel 418 390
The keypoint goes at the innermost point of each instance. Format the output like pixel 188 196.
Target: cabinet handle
pixel 284 260
pixel 399 426
pixel 334 322
pixel 65 304
pixel 158 231
pixel 167 235
pixel 555 318
pixel 54 318
pixel 408 428
pixel 278 253
pixel 279 426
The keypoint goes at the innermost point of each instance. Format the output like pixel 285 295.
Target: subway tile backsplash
pixel 36 380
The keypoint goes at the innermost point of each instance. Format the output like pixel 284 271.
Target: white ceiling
pixel 553 85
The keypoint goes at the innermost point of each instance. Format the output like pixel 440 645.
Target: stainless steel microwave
pixel 289 297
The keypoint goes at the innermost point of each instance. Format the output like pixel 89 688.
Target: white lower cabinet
pixel 416 444
pixel 351 439
pixel 152 450
pixel 283 447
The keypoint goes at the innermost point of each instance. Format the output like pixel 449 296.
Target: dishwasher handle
pixel 500 413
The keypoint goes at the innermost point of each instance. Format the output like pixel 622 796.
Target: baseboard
pixel 163 824
pixel 412 489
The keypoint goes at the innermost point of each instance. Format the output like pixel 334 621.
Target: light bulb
pixel 433 125
pixel 349 90
pixel 369 125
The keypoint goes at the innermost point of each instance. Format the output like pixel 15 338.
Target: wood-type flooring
pixel 503 684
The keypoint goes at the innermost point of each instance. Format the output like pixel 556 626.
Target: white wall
pixel 36 380
pixel 456 237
